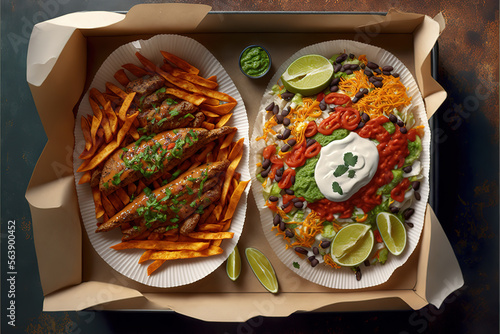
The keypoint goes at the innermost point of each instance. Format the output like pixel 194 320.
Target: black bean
pixel 301 250
pixel 277 178
pixel 359 94
pixel 277 220
pixel 286 121
pixel 280 171
pixel 348 72
pixel 276 109
pixel 282 226
pixel 310 141
pixel 365 117
pixel 273 198
pixel 341 58
pixel 386 73
pixel 396 75
pixel 270 106
pixel 417 195
pixel 325 244
pixel 407 169
pixel 334 89
pixel 279 136
pixel 292 142
pixel 364 90
pixel 265 172
pixel 378 84
pixel 358 274
pixel 367 263
pixel 310 258
pixel 408 213
pixel 286 111
pixel 368 73
pixel 315 250
pixel 292 179
pixel 409 224
pixel 343 68
pixel 336 68
pixel 335 82
pixel 354 67
pixel 393 118
pixel 372 65
pixel 362 65
pixel 403 130
pixel 298 204
pixel 378 78
pixel 287 96
pixel 354 100
pixel 400 123
pixel 322 105
pixel 377 71
pixel 279 119
pixel 285 148
pixel 314 263
pixel 289 233
pixel 351 56
pixel 266 163
pixel 286 133
pixel 289 191
pixel 415 185
pixel 393 209
pixel 361 124
pixel 388 68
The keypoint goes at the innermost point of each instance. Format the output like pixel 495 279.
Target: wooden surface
pixel 466 203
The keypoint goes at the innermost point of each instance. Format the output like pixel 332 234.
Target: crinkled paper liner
pixel 322 274
pixel 177 272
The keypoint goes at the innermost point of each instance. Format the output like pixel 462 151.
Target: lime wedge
pixel 308 75
pixel 392 231
pixel 262 268
pixel 352 245
pixel 233 264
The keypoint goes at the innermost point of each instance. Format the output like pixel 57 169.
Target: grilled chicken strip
pixel 171 114
pixel 156 155
pixel 144 87
pixel 176 200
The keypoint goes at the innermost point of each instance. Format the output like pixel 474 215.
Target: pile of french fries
pixel 113 125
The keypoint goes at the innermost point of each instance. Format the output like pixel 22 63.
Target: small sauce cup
pixel 254 61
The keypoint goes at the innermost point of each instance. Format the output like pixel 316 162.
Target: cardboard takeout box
pixel 64 55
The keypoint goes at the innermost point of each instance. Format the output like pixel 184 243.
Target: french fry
pixel 223 120
pixel 124 197
pixel 154 266
pixel 186 254
pixel 229 174
pixel 97 96
pixel 235 151
pixel 122 114
pixel 180 63
pixel 208 126
pixel 99 209
pixel 196 79
pixel 160 245
pixel 235 198
pixel 220 109
pixel 209 113
pixel 99 141
pixel 85 177
pixel 121 77
pixel 117 90
pixel 111 115
pixel 211 236
pixel 193 98
pixel 108 206
pixel 145 256
pixel 135 70
pixel 209 228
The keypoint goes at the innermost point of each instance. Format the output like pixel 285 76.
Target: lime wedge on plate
pixel 352 244
pixel 392 231
pixel 262 268
pixel 308 75
pixel 233 264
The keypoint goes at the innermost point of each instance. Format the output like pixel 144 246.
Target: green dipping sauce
pixel 254 61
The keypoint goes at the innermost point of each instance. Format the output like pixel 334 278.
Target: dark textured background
pixel 466 202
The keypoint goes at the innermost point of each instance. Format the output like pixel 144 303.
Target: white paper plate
pixel 178 272
pixel 324 275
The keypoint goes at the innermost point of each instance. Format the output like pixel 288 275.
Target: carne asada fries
pixel 160 161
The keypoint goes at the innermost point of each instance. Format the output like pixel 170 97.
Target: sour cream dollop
pixel 345 166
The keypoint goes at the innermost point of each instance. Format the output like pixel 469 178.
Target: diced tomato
pixel 274 168
pixel 377 236
pixel 320 96
pixel 338 99
pixel 313 150
pixel 311 129
pixel 350 118
pixel 297 158
pixel 286 179
pixel 268 151
pixel 331 123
